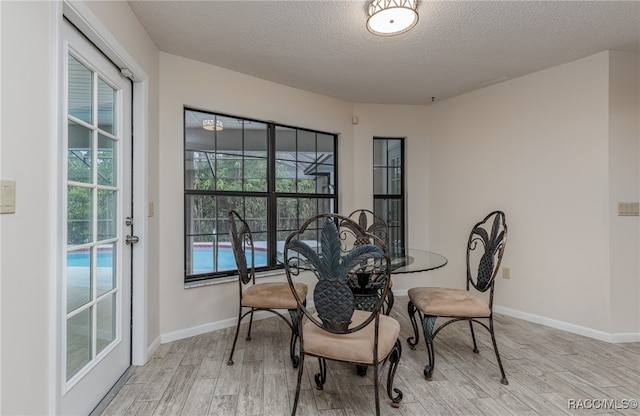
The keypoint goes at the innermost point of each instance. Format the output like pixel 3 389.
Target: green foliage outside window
pixel 80 193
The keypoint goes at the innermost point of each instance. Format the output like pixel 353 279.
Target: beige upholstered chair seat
pixel 438 301
pixel 356 347
pixel 274 295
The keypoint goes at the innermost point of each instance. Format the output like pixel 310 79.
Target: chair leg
pixel 250 325
pixel 235 339
pixel 495 348
pixel 375 388
pixel 321 377
pixel 412 310
pixel 394 360
pixel 428 323
pixel 300 372
pixel 473 337
pixel 295 335
pixel 388 303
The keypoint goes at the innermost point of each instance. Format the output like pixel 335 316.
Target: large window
pixel 274 176
pixel 388 187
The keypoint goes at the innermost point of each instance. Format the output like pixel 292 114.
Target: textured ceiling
pixel 323 46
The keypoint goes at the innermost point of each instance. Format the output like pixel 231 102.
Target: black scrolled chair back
pixel 372 224
pixel 485 248
pixel 242 240
pixel 332 247
pixel 366 286
pixel 341 254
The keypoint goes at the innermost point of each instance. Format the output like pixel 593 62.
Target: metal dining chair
pixel 485 249
pixel 254 296
pixel 330 247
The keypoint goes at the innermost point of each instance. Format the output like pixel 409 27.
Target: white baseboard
pixel 213 326
pixel 152 348
pixel 200 329
pixel 564 326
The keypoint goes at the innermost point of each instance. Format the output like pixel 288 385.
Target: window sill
pixel 230 279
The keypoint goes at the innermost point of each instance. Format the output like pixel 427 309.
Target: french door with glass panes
pixel 95 295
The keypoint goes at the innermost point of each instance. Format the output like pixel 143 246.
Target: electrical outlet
pixel 506 273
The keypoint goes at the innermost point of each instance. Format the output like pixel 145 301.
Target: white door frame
pixel 82 17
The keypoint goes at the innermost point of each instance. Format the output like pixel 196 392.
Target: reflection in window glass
pixel 286 147
pixel 380 180
pixel 105 322
pixel 306 144
pixel 78 341
pixel 106 161
pixel 106 214
pixel 79 153
pixel 78 278
pixel 106 107
pixel 80 90
pixel 105 268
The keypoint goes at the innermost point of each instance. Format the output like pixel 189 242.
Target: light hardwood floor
pixel 549 372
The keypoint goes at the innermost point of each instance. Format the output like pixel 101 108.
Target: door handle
pixel 131 239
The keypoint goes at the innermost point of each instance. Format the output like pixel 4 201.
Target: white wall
pixel 27 264
pixel 624 186
pixel 537 148
pixel 28 155
pixel 185 82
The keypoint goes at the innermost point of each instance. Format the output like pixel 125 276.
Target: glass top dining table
pixel 402 261
pixel 414 260
pixel 409 260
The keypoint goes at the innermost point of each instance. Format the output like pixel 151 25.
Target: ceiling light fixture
pixel 212 125
pixel 391 17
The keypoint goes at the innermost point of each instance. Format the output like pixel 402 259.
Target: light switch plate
pixel 628 209
pixel 7 196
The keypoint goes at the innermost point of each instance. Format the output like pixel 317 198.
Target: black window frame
pixel 397 227
pixel 322 199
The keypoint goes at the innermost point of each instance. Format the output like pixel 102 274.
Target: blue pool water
pixel 81 258
pixel 202 259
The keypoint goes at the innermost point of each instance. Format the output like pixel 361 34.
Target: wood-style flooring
pixel 550 372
